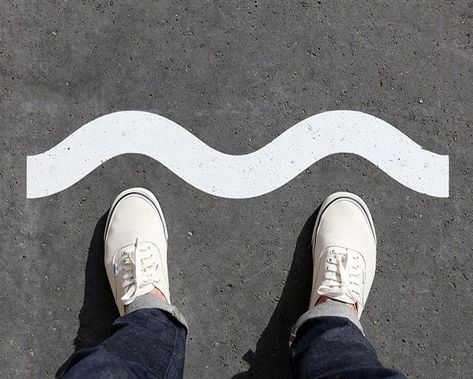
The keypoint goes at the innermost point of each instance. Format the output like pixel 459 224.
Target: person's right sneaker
pixel 136 243
pixel 344 251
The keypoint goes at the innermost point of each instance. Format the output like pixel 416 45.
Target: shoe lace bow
pixel 343 275
pixel 139 269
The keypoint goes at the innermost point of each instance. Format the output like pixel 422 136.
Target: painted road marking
pixel 237 176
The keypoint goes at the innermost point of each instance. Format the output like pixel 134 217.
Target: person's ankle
pixel 323 299
pixel 157 293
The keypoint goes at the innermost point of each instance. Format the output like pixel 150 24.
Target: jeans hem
pixel 328 308
pixel 149 301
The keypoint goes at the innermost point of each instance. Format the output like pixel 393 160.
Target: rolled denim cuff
pixel 149 301
pixel 328 308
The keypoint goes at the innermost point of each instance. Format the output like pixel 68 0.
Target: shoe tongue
pixel 340 249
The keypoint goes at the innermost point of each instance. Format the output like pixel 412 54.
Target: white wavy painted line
pixel 237 176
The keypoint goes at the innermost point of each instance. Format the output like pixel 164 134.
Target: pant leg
pixel 144 343
pixel 327 346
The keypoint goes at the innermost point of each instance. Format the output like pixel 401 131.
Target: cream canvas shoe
pixel 344 251
pixel 136 242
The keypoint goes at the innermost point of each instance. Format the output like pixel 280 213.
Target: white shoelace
pixel 343 275
pixel 139 269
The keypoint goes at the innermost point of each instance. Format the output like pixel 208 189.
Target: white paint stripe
pixel 237 176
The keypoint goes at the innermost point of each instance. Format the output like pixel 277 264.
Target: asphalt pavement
pixel 236 75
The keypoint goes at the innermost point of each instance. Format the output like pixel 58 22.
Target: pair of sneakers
pixel 343 248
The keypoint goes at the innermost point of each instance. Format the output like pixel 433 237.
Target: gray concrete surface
pixel 236 75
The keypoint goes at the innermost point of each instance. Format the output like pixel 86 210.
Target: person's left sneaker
pixel 136 242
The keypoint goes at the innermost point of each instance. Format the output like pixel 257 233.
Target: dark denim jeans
pixel 333 347
pixel 146 343
pixel 150 343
